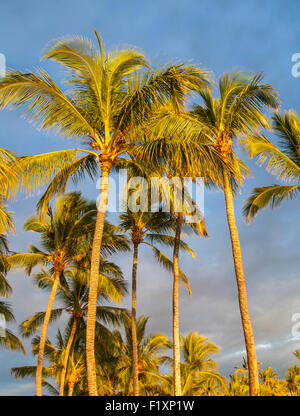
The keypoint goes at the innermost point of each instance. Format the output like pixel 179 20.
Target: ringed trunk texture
pixel 93 285
pixel 71 388
pixel 135 374
pixel 176 337
pixel 39 367
pixel 66 359
pixel 242 293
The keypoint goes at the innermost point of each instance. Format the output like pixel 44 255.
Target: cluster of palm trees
pixel 127 113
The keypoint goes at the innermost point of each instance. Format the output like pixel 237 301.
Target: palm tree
pixel 8 174
pixel 238 385
pixel 54 355
pixel 65 235
pixel 200 229
pixel 292 378
pixel 268 375
pixel 173 159
pixel 150 354
pixel 73 297
pixel 197 362
pixel 283 161
pixel 147 228
pixel 271 386
pixel 7 339
pixel 237 114
pixel 199 372
pixel 110 98
pixel 111 287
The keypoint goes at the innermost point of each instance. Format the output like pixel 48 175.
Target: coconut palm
pixel 65 235
pixel 147 228
pixel 7 339
pixel 292 377
pixel 271 386
pixel 54 355
pixel 173 161
pixel 200 229
pixel 8 174
pixel 268 375
pixel 110 97
pixel 5 288
pixel 113 357
pixel 73 299
pixel 197 362
pixel 218 123
pixel 238 385
pixel 150 354
pixel 199 372
pixel 283 161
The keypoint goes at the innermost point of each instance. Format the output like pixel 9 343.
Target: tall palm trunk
pixel 93 285
pixel 71 388
pixel 135 375
pixel 39 367
pixel 66 358
pixel 176 338
pixel 242 293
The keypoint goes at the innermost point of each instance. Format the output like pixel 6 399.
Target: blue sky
pixel 221 36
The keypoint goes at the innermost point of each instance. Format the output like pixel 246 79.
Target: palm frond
pixel 168 241
pixel 37 171
pixel 74 171
pixel 12 342
pixel 45 104
pixel 6 311
pixel 27 261
pixel 276 161
pixel 34 323
pixel 287 126
pixel 168 265
pixel 272 195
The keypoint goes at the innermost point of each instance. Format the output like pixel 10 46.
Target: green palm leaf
pixel 272 195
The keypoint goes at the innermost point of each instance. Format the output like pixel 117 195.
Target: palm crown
pixel 109 97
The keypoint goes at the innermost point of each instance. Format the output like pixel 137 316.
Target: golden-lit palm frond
pixel 168 241
pixel 35 322
pixel 36 171
pixel 45 104
pixel 167 263
pixel 75 171
pixel 272 195
pixel 242 100
pixel 27 260
pixel 287 126
pixel 283 161
pixel 111 288
pixel 11 342
pixel 6 222
pixel 277 162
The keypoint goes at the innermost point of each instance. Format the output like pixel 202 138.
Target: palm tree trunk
pixel 176 338
pixel 93 285
pixel 39 367
pixel 135 375
pixel 242 293
pixel 71 388
pixel 66 358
